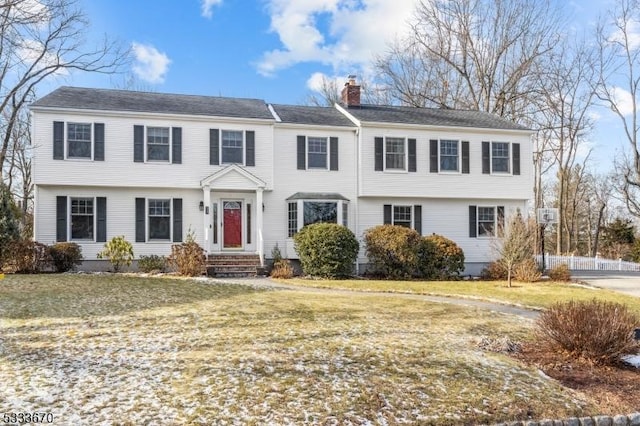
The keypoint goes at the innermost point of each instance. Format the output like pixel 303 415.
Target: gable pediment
pixel 233 177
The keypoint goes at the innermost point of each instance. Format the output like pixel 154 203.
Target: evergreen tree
pixel 9 222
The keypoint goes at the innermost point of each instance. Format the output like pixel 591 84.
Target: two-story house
pixel 244 176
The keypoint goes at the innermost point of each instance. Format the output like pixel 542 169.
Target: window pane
pixel 82 218
pixel 486 221
pixel 345 214
pixel 402 216
pixel 449 155
pixel 158 143
pixel 293 219
pixel 317 152
pixel 315 211
pixel 79 140
pixel 159 219
pixel 500 157
pixel 395 154
pixel 232 151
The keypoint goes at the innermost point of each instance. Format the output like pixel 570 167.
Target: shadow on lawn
pixel 84 295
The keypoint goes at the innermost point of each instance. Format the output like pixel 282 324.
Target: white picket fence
pixel 580 263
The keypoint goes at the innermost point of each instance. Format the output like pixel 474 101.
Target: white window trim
pixel 451 172
pixel 406 155
pixel 244 146
pixel 66 141
pixel 300 212
pixel 70 220
pixel 411 209
pixel 146 149
pixel 327 156
pixel 148 221
pixel 495 222
pixel 509 161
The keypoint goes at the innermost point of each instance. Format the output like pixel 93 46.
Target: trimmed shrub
pixel 440 258
pixel 494 272
pixel 152 263
pixel 27 257
pixel 118 251
pixel 598 331
pixel 188 258
pixel 393 251
pixel 326 250
pixel 282 269
pixel 527 271
pixel 560 273
pixel 65 256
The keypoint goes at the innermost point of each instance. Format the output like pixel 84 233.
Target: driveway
pixel 623 282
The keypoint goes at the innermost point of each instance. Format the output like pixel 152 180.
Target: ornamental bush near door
pixel 327 250
pixel 118 251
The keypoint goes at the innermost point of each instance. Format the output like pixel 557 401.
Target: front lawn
pixel 118 349
pixel 532 295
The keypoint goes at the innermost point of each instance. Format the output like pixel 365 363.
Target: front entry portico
pixel 233 218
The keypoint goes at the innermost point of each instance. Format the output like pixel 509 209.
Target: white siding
pixel 445 185
pixel 119 169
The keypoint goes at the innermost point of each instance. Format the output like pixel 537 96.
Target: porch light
pixel 201 206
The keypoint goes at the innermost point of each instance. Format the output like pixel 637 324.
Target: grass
pixel 532 295
pixel 119 349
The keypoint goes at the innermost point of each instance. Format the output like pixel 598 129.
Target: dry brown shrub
pixel 282 269
pixel 560 273
pixel 598 331
pixel 188 258
pixel 494 272
pixel 527 271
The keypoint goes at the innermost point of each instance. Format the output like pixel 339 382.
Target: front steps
pixel 234 265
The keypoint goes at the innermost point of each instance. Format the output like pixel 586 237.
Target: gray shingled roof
pixel 431 117
pixel 324 116
pixel 125 100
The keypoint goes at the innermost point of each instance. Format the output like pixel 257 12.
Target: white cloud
pixel 150 64
pixel 207 7
pixel 623 100
pixel 632 34
pixel 30 52
pixel 340 33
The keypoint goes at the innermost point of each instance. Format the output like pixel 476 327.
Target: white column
pixel 206 214
pixel 259 225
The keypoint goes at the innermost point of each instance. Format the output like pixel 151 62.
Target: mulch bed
pixel 613 389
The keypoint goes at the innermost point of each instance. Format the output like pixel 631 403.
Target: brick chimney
pixel 351 92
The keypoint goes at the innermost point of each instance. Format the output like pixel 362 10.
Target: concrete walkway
pixel 623 282
pixel 265 282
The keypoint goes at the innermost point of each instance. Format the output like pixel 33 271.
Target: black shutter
pixel 302 153
pixel 140 220
pixel 58 140
pixel 98 141
pixel 473 228
pixel 387 214
pixel 177 220
pixel 101 219
pixel 465 157
pixel 61 219
pixel 516 158
pixel 333 153
pixel 412 155
pixel 176 145
pixel 250 135
pixel 379 154
pixel 486 161
pixel 214 147
pixel 417 218
pixel 433 156
pixel 500 210
pixel 138 144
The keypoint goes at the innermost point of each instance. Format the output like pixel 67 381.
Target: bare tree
pixel 619 87
pixel 38 40
pixel 472 54
pixel 516 245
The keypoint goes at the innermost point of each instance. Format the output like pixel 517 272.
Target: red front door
pixel 232 224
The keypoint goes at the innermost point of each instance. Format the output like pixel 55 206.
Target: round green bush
pixel 393 251
pixel 66 256
pixel 440 258
pixel 326 250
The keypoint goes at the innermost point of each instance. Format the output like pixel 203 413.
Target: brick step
pixel 233 262
pixel 232 265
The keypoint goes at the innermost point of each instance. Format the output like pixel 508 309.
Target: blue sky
pixel 268 49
